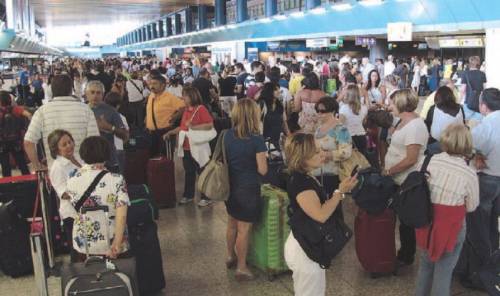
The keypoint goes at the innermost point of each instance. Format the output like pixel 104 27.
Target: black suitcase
pixel 98 276
pixel 145 247
pixel 15 251
pixel 144 243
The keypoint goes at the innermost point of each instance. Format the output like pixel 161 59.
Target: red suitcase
pixel 161 180
pixel 375 242
pixel 136 161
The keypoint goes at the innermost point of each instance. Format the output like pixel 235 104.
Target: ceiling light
pixel 266 20
pixel 319 10
pixel 342 6
pixel 371 2
pixel 280 17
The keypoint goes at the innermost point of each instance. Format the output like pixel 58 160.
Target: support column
pixel 144 34
pixel 311 4
pixel 177 24
pixel 220 13
pixel 241 11
pixel 202 17
pixel 492 57
pixel 271 7
pixel 149 31
pixel 379 50
pixel 161 30
pixel 154 27
pixel 169 26
pixel 137 39
pixel 189 19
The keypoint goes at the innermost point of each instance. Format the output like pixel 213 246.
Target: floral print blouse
pixel 111 191
pixel 336 141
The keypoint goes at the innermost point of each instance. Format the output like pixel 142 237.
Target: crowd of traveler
pixel 321 109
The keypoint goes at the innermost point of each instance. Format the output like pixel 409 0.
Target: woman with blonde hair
pixel 454 188
pixel 309 201
pixel 352 113
pixel 407 147
pixel 246 158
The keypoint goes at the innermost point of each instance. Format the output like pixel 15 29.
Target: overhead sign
pixel 462 42
pixel 365 41
pixel 318 42
pixel 397 32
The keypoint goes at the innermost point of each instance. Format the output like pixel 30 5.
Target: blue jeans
pixel 434 278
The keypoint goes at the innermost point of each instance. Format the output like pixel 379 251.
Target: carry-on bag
pixel 268 236
pixel 137 151
pixel 98 275
pixel 161 179
pixel 375 242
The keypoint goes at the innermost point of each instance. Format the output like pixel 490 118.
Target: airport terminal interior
pixel 180 123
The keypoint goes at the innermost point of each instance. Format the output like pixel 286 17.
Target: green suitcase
pixel 267 240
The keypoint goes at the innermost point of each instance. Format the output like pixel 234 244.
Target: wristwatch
pixel 342 194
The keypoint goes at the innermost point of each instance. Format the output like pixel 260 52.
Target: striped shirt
pixel 66 113
pixel 452 182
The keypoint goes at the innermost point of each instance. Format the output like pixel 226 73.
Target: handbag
pixel 320 241
pixel 214 179
pixel 348 165
pixel 197 137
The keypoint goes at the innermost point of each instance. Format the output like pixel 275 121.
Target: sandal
pixel 242 276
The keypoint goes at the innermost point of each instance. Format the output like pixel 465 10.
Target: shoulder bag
pixel 320 241
pixel 214 179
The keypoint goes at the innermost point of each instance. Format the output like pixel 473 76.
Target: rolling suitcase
pixel 137 151
pixel 136 161
pixel 97 275
pixel 161 179
pixel 15 258
pixel 375 242
pixel 143 239
pixel 267 240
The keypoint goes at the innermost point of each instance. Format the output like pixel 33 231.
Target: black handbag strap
pixel 153 113
pixel 137 87
pixel 89 190
pixel 427 160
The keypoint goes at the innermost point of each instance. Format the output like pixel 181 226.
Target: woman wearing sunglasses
pixel 334 139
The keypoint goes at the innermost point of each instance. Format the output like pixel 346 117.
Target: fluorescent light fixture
pixel 319 10
pixel 342 6
pixel 266 20
pixel 280 17
pixel 232 26
pixel 297 14
pixel 371 2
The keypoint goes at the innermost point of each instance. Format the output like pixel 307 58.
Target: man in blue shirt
pixel 482 224
pixel 24 83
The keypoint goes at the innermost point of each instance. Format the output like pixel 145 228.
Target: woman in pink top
pixel 305 101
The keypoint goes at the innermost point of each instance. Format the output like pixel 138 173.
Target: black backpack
pixel 412 202
pixel 11 126
pixel 373 191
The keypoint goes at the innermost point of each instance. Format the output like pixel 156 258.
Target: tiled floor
pixel 193 250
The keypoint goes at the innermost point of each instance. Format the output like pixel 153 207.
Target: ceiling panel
pixel 54 13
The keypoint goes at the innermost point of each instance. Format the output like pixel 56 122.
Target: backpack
pixel 373 191
pixel 472 95
pixel 412 202
pixel 11 126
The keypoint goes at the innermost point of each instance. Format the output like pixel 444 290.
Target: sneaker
pixel 204 202
pixel 185 200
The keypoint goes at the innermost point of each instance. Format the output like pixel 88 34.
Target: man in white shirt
pixel 62 112
pixel 389 66
pixel 482 224
pixel 366 68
